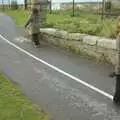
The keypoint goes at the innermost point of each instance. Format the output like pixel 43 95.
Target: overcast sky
pixel 54 1
pixel 75 0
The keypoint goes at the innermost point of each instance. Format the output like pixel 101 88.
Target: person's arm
pixel 28 21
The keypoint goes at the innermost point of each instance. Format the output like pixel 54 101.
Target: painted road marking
pixel 57 69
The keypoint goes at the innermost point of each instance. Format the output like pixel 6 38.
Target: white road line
pixel 57 69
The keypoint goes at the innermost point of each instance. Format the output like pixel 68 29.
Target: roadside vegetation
pixel 14 106
pixel 82 22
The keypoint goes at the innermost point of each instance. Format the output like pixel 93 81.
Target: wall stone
pixel 102 49
pixel 107 43
pixel 90 40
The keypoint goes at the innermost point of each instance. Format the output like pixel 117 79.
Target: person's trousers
pixel 35 38
pixel 117 90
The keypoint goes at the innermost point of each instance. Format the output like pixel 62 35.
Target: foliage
pixel 20 16
pixel 82 22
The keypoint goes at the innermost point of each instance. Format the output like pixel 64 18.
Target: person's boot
pixel 116 98
pixel 113 74
pixel 37 43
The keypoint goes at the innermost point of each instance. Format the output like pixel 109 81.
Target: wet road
pixel 43 76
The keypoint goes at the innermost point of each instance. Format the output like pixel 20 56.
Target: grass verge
pixel 20 16
pixel 13 104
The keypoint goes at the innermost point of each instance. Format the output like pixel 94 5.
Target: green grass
pixel 13 104
pixel 20 16
pixel 81 23
pixel 84 23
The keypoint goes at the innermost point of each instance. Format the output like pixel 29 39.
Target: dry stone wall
pixel 102 49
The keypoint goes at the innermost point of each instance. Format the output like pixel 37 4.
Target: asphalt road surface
pixel 65 85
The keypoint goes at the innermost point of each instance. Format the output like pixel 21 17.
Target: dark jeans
pixel 35 38
pixel 117 90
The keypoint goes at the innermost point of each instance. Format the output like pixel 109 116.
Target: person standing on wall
pixel 33 21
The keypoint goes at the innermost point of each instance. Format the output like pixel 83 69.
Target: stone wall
pixel 102 49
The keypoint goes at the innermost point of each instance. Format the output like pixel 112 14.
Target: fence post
pixel 103 9
pixel 3 7
pixel 9 4
pixel 73 7
pixel 50 4
pixel 25 3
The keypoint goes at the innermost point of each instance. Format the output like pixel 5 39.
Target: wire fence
pixel 87 18
pixel 104 7
pixel 16 4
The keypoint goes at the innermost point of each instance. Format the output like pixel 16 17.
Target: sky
pixel 54 1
